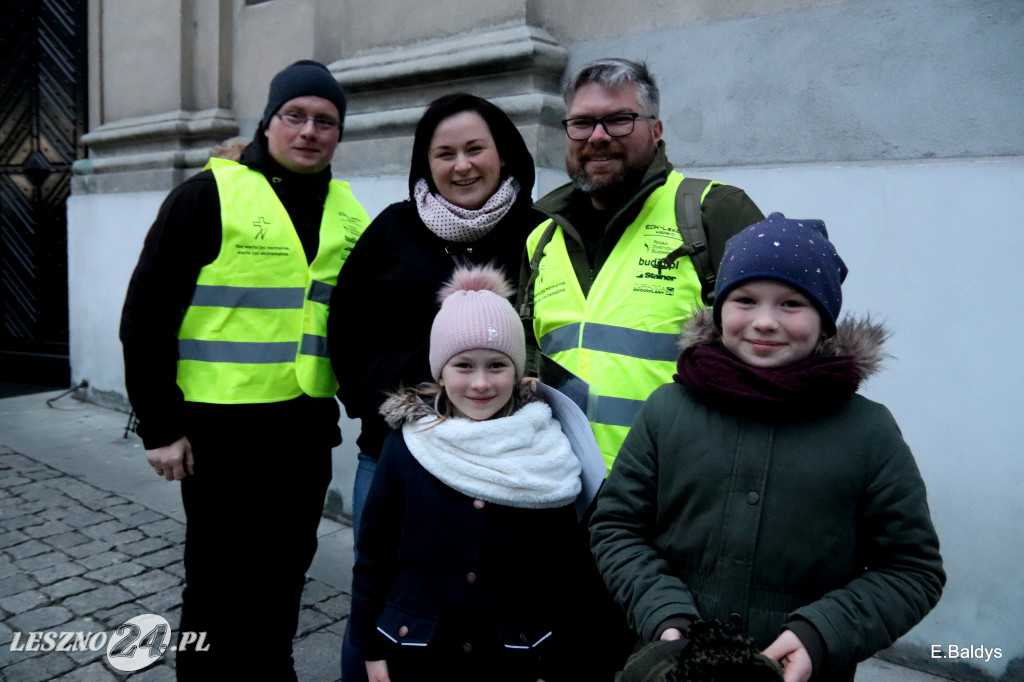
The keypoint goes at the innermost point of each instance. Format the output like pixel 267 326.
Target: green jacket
pixel 710 515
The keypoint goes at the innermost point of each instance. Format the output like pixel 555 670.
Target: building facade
pixel 898 123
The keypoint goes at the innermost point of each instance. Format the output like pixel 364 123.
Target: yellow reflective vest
pixel 622 338
pixel 256 328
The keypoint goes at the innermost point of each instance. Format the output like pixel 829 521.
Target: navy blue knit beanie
pixel 795 252
pixel 304 77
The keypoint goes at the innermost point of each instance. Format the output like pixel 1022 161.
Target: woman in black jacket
pixel 469 203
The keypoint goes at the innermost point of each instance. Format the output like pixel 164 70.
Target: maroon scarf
pixel 805 390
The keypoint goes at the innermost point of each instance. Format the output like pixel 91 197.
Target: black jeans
pixel 252 510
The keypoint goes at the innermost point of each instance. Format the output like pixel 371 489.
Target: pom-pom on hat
pixel 303 78
pixel 475 313
pixel 795 252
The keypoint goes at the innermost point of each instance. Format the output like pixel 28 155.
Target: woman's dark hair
pixel 511 147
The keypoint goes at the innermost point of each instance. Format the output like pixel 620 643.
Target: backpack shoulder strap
pixel 695 240
pixel 691 227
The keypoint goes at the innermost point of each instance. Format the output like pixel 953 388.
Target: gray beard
pixel 615 190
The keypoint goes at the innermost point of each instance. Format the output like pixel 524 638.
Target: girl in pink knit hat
pixel 467 554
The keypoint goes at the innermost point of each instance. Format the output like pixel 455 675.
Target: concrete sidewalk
pixel 90 537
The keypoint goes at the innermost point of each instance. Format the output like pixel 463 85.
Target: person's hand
pixel 671 635
pixel 377 671
pixel 172 461
pixel 788 650
pixel 531 382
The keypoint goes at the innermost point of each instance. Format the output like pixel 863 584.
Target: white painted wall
pixel 105 235
pixel 376 194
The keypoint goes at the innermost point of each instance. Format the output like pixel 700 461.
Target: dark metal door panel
pixel 42 118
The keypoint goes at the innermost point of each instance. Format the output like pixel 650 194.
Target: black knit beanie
pixel 304 77
pixel 794 252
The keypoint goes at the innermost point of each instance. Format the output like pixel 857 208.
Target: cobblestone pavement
pixel 74 557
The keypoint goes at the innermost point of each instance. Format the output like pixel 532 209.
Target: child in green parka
pixel 759 488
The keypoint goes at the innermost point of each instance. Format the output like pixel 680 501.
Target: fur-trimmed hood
pixel 861 339
pixel 408 405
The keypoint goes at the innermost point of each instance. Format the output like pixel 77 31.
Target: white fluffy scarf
pixel 523 460
pixel 456 224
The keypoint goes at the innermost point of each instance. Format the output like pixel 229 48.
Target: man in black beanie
pixel 224 335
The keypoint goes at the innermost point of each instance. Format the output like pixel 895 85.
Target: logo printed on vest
pixel 349 222
pixel 656 275
pixel 669 231
pixel 261 226
pixel 657 263
pixel 657 246
pixel 654 289
pixel 549 290
pixel 353 229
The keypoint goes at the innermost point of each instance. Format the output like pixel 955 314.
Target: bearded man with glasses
pixel 226 366
pixel 608 280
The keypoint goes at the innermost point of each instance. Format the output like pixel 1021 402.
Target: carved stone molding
pixel 518 67
pixel 150 152
pixel 497 51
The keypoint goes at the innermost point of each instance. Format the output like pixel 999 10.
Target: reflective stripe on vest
pixel 245 297
pixel 611 339
pixel 622 338
pixel 242 341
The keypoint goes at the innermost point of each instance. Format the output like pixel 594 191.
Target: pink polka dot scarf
pixel 455 224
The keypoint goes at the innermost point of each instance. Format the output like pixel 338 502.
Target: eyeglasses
pixel 616 125
pixel 294 119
